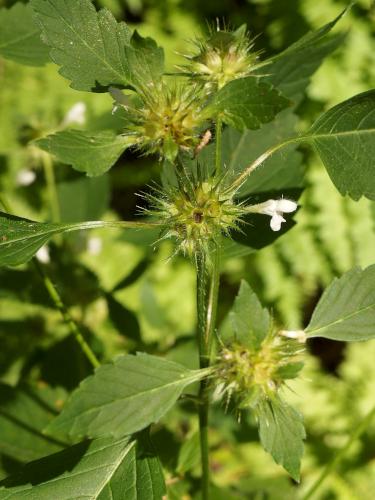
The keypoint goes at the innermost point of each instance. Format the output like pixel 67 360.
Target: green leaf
pixel 93 49
pixel 84 198
pixel 146 62
pixel 98 470
pixel 250 321
pixel 344 137
pixel 189 455
pixel 20 37
pixel 346 310
pixel 24 413
pixel 150 482
pixel 281 434
pixel 246 103
pixel 90 152
pixel 290 71
pixel 124 397
pixel 21 238
pixel 283 170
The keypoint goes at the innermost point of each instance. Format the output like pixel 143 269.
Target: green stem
pixel 56 299
pixel 219 130
pixel 330 467
pixel 208 278
pixel 53 199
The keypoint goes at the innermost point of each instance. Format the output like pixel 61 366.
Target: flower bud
pixel 163 121
pixel 224 56
pixel 196 215
pixel 249 375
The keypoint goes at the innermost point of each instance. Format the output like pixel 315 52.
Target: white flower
pixel 25 177
pixel 75 115
pixel 43 255
pixel 275 209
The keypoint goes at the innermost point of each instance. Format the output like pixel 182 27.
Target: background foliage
pixel 126 298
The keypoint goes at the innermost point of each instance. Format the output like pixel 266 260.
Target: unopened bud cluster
pixel 224 56
pixel 249 375
pixel 195 215
pixel 165 120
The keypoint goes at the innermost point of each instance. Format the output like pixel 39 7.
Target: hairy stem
pixel 51 187
pixel 237 183
pixel 218 134
pixel 208 277
pixel 56 299
pixel 330 467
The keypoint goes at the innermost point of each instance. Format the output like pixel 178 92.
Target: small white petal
pixel 276 222
pixel 25 177
pixel 43 255
pixel 76 114
pixel 269 207
pixel 286 206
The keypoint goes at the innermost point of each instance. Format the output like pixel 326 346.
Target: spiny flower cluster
pixel 250 375
pixel 162 120
pixel 224 56
pixel 195 213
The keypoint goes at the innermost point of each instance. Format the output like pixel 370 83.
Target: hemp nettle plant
pixel 223 127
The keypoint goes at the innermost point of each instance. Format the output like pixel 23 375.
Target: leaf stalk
pixel 56 299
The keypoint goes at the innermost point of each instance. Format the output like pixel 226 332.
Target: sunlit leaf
pixel 346 310
pixel 282 433
pixel 21 238
pixel 290 71
pixel 250 321
pixel 246 103
pixel 20 36
pixel 90 152
pixel 344 137
pixel 98 53
pixel 124 396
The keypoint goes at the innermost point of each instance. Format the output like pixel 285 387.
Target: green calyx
pixel 250 375
pixel 224 56
pixel 164 120
pixel 195 215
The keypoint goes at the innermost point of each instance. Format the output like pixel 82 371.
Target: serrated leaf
pixel 281 433
pixel 93 49
pixel 21 238
pixel 124 397
pixel 99 470
pixel 344 138
pixel 20 37
pixel 246 103
pixel 150 482
pixel 146 62
pixel 90 152
pixel 346 310
pixel 250 321
pixel 290 71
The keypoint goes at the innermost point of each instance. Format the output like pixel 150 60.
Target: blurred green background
pixel 128 296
